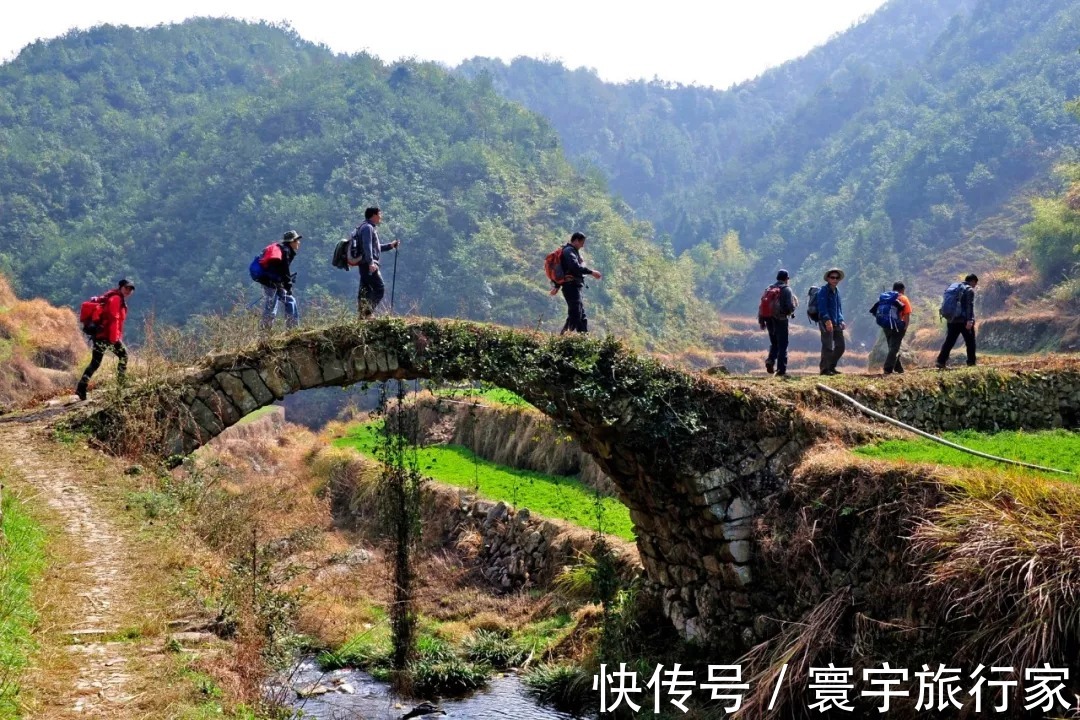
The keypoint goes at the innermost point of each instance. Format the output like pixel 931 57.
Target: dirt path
pixel 100 685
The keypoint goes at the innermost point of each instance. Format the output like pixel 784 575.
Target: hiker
pixel 958 309
pixel 575 273
pixel 893 312
pixel 109 335
pixel 831 322
pixel 275 275
pixel 365 250
pixel 777 306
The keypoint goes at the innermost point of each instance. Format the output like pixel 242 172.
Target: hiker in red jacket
pixel 109 336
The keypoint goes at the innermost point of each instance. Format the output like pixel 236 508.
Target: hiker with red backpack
pixel 958 309
pixel 103 320
pixel 777 306
pixel 365 251
pixel 272 269
pixel 567 272
pixel 892 312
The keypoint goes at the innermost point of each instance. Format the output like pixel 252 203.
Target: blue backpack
pixel 887 310
pixel 951 308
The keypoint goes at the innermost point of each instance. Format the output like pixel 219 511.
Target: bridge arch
pixel 701 462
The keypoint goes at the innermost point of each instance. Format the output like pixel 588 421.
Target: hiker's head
pixel 373 215
pixel 972 279
pixel 126 287
pixel 293 238
pixel 578 240
pixel 782 276
pixel 898 287
pixel 834 276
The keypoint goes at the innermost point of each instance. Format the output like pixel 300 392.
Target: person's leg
pixel 838 347
pixel 899 366
pixel 572 295
pixel 952 332
pixel 969 343
pixel 269 306
pixel 583 320
pixel 121 361
pixel 826 349
pixel 95 362
pixel 376 290
pixel 292 310
pixel 770 361
pixel 893 343
pixel 781 346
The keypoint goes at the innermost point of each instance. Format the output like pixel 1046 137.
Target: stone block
pixel 770 445
pixel 740 508
pixel 739 550
pixel 714 479
pixel 737 530
pixel 207 419
pixel 275 382
pixel 333 369
pixel 234 387
pixel 306 366
pixel 257 387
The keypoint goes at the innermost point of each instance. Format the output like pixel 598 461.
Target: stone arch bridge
pixel 705 464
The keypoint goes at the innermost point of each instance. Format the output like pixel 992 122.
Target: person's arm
pixel 787 301
pixel 389 246
pixel 969 305
pixel 905 310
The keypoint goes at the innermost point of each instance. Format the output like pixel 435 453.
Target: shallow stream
pixel 354 694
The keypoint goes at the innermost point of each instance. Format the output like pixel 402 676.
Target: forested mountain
pixel 172 155
pixel 879 151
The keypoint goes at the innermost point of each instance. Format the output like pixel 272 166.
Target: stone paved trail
pixel 102 685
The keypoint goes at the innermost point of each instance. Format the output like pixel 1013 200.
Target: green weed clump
pixel 22 559
pixel 450 677
pixel 566 688
pixel 488 393
pixel 1058 449
pixel 498 650
pixel 552 496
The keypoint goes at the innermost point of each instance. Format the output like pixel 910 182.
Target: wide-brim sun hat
pixel 830 271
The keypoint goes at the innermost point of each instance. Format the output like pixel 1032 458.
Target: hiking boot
pixel 939 366
pixel 887 372
pixel 80 390
pixel 769 367
pixel 899 371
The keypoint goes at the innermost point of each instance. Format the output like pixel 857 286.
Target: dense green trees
pixel 173 155
pixel 880 150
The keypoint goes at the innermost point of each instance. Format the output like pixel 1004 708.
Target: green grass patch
pixel 552 496
pixel 256 414
pixel 22 559
pixel 1058 449
pixel 489 394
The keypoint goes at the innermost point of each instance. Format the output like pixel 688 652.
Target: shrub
pixel 564 687
pixel 495 649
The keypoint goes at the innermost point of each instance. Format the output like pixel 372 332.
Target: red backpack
pixel 91 310
pixel 553 267
pixel 269 253
pixel 769 307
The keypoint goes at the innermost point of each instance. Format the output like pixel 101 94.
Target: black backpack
pixel 341 254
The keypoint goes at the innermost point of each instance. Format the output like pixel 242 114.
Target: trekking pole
pixel 393 281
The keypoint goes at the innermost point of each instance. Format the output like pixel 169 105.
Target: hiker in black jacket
pixel 961 324
pixel 776 322
pixel 575 272
pixel 366 249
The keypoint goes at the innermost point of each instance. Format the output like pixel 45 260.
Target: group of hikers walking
pixel 103 317
pixel 892 312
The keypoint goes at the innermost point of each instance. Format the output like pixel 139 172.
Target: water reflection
pixel 353 694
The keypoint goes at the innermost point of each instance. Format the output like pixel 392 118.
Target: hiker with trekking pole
pixel 365 251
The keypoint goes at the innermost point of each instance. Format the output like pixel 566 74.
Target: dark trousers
pixel 100 346
pixel 893 338
pixel 832 347
pixel 372 290
pixel 575 310
pixel 954 332
pixel 778 342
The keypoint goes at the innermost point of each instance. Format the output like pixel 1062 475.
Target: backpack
pixel 341 254
pixel 887 310
pixel 90 313
pixel 258 270
pixel 951 302
pixel 811 304
pixel 769 307
pixel 553 267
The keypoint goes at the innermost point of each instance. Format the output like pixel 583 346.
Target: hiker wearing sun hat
pixel 831 322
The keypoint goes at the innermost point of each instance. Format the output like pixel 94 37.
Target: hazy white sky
pixel 707 42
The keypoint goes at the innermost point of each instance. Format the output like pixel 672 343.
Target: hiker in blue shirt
pixel 831 323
